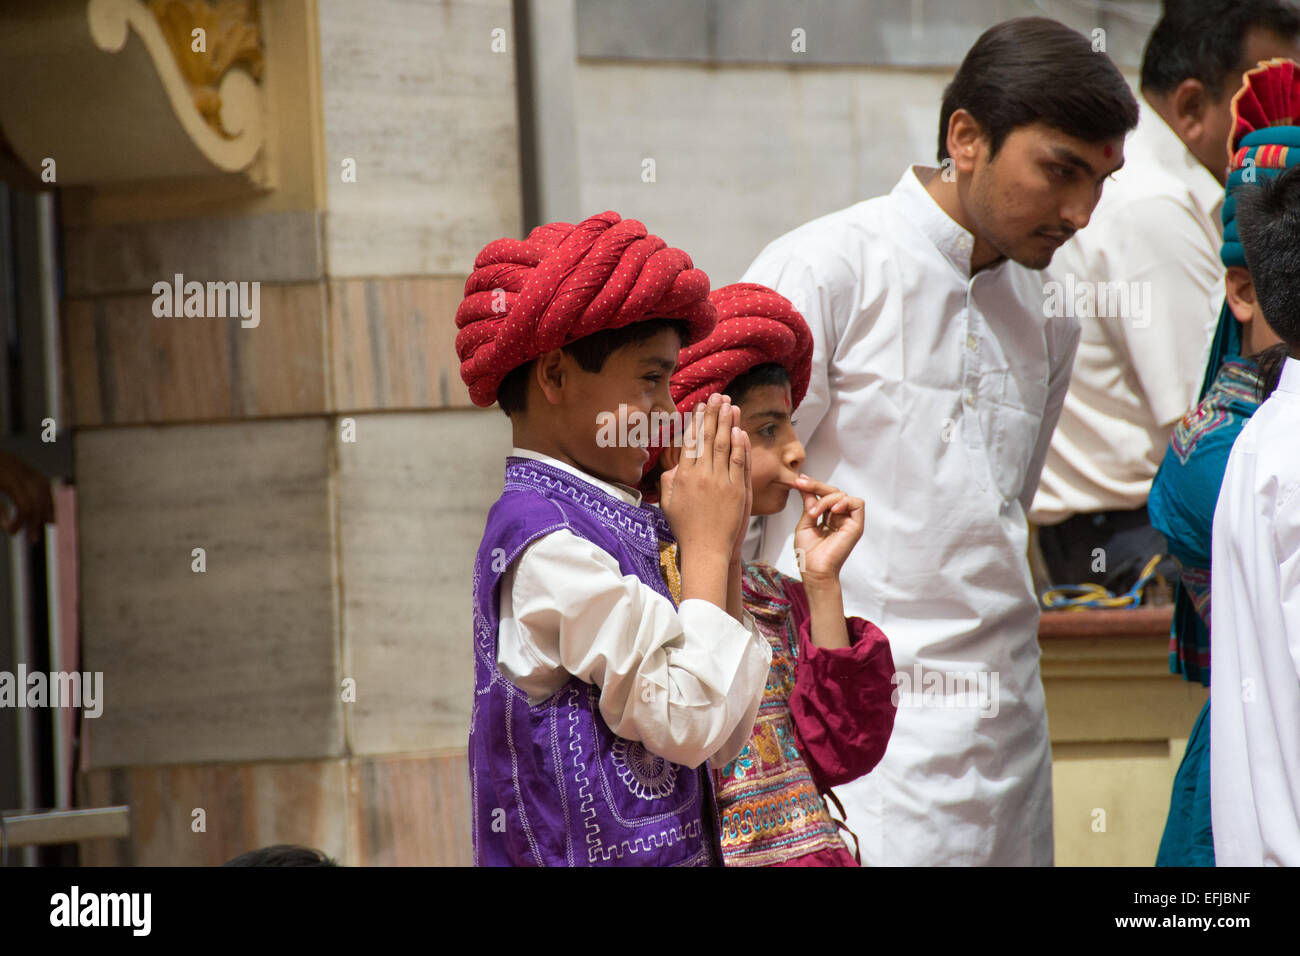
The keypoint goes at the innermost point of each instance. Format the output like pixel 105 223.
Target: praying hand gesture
pixel 706 499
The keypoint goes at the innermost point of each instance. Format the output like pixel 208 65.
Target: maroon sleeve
pixel 843 699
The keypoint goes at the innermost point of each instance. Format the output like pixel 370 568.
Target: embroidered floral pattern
pixel 1235 389
pixel 742 765
pixel 646 775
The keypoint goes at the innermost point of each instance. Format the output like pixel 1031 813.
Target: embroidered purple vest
pixel 551 784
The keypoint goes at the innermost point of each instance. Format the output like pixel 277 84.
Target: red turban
pixel 756 325
pixel 564 282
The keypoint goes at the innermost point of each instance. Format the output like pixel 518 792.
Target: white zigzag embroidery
pixel 514 778
pixel 644 528
pixel 642 844
pixel 580 778
pixel 559 779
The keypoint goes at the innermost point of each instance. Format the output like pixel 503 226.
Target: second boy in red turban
pixel 827 710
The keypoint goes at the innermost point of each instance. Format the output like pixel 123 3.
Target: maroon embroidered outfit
pixel 825 718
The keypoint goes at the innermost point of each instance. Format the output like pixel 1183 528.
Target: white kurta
pixel 933 397
pixel 1255 660
pixel 686 682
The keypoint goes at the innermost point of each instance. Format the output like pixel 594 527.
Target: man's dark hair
pixel 1206 40
pixel 1033 69
pixel 1268 222
pixel 769 373
pixel 282 854
pixel 590 352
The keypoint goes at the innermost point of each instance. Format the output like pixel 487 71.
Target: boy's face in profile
pixel 776 454
pixel 629 388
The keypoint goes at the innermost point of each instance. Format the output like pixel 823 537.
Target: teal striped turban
pixel 1265 142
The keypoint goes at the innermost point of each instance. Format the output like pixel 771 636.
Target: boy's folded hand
pixel 704 496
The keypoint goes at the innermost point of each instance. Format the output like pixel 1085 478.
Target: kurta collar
pixel 952 241
pixel 622 492
pixel 1154 142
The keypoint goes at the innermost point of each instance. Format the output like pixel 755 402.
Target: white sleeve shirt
pixel 686 682
pixel 1255 621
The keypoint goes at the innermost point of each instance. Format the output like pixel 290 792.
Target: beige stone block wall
pixel 415 95
pixel 409 810
pixel 413 491
pixel 240 661
pixel 1119 723
pixel 124 365
pixel 392 343
pixel 744 154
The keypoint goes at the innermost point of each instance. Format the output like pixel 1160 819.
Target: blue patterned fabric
pixel 1182 501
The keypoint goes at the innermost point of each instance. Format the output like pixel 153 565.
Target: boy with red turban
pixel 599 692
pixel 827 709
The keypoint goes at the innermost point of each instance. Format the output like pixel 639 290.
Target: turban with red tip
pixel 565 282
pixel 756 325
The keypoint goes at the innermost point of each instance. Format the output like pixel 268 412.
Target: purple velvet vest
pixel 551 784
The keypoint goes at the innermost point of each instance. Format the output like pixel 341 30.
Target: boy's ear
pixel 551 374
pixel 1240 290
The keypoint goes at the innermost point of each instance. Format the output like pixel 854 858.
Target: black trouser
pixel 1109 548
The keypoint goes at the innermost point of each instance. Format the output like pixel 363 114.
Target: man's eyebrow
pixel 777 416
pixel 1067 155
pixel 668 365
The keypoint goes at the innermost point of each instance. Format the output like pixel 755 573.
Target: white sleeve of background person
pixel 1255 664
pixel 1160 255
pixel 685 682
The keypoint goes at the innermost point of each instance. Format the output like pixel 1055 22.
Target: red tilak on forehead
pixel 1108 150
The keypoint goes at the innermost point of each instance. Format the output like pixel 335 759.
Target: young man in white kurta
pixel 1255 691
pixel 933 396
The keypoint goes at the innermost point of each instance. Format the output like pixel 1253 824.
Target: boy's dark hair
pixel 1206 40
pixel 1032 69
pixel 769 373
pixel 282 854
pixel 1269 364
pixel 590 352
pixel 1268 222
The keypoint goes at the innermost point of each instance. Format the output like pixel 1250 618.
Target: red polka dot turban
pixel 756 325
pixel 564 282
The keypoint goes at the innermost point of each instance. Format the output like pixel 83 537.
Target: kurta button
pixel 972 343
pixel 970 398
